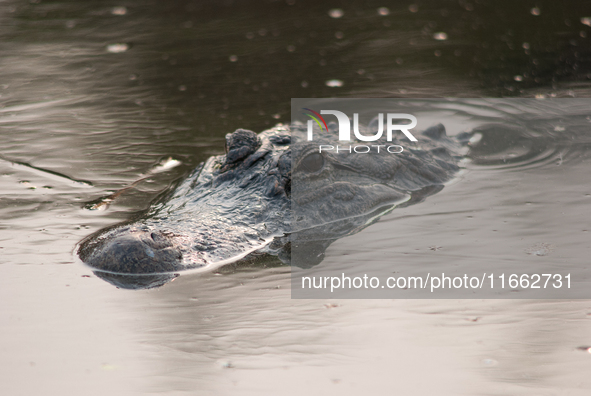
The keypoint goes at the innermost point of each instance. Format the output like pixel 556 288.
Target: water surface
pixel 94 95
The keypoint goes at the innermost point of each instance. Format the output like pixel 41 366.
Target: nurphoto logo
pixel 344 122
pixel 345 125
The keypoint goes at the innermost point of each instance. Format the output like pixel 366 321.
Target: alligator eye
pixel 312 163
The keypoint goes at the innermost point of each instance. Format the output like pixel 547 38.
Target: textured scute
pixel 240 145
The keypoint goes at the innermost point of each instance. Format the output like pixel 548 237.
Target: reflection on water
pixel 104 92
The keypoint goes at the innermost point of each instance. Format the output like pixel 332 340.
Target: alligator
pixel 248 202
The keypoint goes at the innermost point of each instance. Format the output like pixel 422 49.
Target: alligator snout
pixel 129 250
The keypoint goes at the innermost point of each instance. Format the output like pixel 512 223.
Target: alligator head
pixel 246 201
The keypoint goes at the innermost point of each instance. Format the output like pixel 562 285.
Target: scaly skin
pixel 241 202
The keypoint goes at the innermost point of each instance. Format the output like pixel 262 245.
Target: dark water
pixel 94 95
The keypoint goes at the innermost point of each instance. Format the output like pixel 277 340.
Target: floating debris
pixel 117 48
pixel 336 13
pixel 119 10
pixel 165 165
pixel 383 11
pixel 334 83
pixel 440 36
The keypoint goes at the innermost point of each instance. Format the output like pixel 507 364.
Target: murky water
pixel 95 95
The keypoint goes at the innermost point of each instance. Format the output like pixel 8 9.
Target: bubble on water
pixel 334 83
pixel 525 45
pixel 70 24
pixel 117 48
pixel 489 362
pixel 291 48
pixel 413 8
pixel 182 87
pixel 339 35
pixel 535 11
pixel 539 249
pixel 383 11
pixel 233 58
pixel 586 21
pixel 276 116
pixel 437 53
pixel 518 78
pixel 304 84
pixel 119 10
pixel 440 36
pixel 250 35
pixel 226 364
pixel 559 128
pixel 336 13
